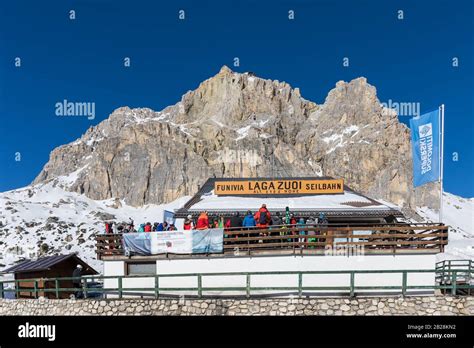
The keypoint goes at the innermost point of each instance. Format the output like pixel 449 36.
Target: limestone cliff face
pixel 236 125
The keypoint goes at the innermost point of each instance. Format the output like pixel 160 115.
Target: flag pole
pixel 441 159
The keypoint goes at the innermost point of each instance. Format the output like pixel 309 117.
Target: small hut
pixel 59 266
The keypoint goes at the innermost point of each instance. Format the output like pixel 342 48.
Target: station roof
pixel 348 203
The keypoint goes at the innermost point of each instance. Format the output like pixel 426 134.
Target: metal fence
pixel 456 285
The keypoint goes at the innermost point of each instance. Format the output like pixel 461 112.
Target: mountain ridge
pixel 237 124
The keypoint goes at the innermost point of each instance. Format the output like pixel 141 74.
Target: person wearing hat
pixel 77 281
pixel 188 223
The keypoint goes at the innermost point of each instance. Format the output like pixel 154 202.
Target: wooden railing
pixel 381 238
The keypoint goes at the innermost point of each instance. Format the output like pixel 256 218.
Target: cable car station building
pixel 361 234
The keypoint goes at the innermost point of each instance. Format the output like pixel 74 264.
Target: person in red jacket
pixel 203 221
pixel 263 217
pixel 188 223
pixel 147 227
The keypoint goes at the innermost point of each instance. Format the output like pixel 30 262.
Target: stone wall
pixel 439 305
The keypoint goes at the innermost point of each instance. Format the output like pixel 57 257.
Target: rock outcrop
pixel 236 125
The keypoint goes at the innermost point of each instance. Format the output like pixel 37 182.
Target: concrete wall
pixel 439 305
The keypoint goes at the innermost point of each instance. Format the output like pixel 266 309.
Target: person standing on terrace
pixel 249 220
pixel 203 221
pixel 263 217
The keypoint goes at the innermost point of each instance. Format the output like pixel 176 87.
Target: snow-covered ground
pixel 458 214
pixel 62 222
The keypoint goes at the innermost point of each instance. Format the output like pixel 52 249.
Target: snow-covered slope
pixel 45 219
pixel 458 214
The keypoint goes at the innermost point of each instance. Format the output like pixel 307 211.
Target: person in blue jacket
pixel 249 220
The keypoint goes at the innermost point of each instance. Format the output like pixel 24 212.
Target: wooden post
pixel 1 289
pixel 157 286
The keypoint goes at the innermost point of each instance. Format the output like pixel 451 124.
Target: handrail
pixel 383 238
pixel 157 290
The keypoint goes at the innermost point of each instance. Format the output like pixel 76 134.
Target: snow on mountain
pixel 458 214
pixel 44 219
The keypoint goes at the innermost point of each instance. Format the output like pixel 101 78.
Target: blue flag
pixel 425 147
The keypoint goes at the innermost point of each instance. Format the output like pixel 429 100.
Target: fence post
pixel 352 284
pixel 84 287
pixel 120 286
pixel 300 284
pixel 199 285
pixel 248 285
pixel 453 283
pixel 1 290
pixel 157 286
pixel 404 283
pixel 35 284
pixel 56 286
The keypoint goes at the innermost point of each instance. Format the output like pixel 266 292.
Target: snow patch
pixel 458 214
pixel 26 221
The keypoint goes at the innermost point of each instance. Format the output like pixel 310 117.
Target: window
pixel 141 268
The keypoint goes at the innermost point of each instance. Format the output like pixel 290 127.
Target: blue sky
pixel 408 60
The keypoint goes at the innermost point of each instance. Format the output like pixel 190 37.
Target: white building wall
pixel 281 263
pixel 117 268
pixel 299 263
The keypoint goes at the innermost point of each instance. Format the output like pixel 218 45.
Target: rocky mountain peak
pixel 235 125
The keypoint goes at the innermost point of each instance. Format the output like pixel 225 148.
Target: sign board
pixel 276 187
pixel 175 242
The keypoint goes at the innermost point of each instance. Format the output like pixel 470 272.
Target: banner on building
pixel 425 148
pixel 275 187
pixel 174 242
pixel 168 216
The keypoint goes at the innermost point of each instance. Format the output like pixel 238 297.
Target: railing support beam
pixel 199 286
pixel 300 284
pixel 352 294
pixel 248 285
pixel 56 287
pixel 404 283
pixel 453 282
pixel 120 289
